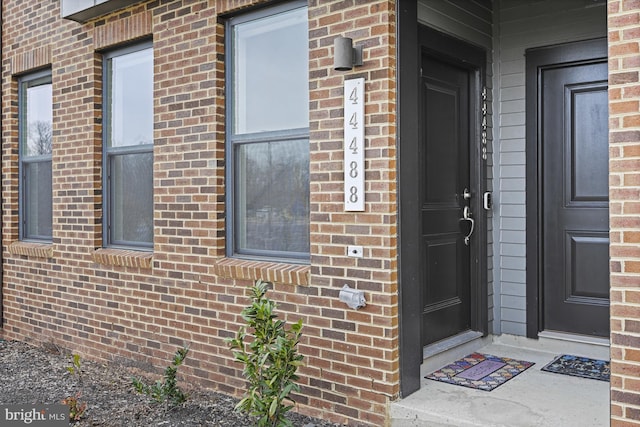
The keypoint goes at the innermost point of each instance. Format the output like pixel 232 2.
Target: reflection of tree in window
pixel 39 139
pixel 277 195
pixel 269 135
pixel 36 125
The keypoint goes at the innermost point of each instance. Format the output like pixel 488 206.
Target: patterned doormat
pixel 580 367
pixel 480 371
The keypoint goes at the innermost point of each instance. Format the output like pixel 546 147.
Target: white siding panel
pixel 513 119
pixel 516 171
pixel 511 80
pixel 512 250
pixel 512 197
pixel 512 132
pixel 510 262
pixel 507 236
pixel 513 184
pixel 522 24
pixel 511 93
pixel 512 145
pixel 514 315
pixel 512 158
pixel 513 66
pixel 513 237
pixel 513 224
pixel 508 54
pixel 515 289
pixel 515 276
pixel 512 210
pixel 514 301
pixel 512 106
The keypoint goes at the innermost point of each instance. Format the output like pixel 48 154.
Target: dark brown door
pixel 575 187
pixel 445 143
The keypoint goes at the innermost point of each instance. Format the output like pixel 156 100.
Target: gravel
pixel 40 375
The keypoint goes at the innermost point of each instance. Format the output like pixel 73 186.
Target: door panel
pixel 590 156
pixel 445 175
pixel 590 270
pixel 575 216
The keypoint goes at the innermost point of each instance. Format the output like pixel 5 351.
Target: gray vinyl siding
pixel 471 21
pixel 522 24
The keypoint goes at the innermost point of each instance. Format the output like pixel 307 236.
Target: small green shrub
pixel 76 367
pixel 271 361
pixel 77 407
pixel 166 390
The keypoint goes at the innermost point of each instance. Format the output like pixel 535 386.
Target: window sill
pixel 292 274
pixel 123 258
pixel 31 249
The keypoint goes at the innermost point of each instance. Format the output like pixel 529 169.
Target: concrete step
pixel 533 398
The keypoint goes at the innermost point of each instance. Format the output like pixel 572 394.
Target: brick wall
pixel 138 307
pixel 624 139
pixel 358 350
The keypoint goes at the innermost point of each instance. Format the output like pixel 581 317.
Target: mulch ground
pixel 38 375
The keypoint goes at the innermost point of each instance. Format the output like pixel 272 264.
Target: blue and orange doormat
pixel 480 371
pixel 580 367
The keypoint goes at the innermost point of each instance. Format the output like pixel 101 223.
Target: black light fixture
pixel 345 56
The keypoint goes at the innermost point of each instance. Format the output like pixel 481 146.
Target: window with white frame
pixel 268 134
pixel 35 104
pixel 128 147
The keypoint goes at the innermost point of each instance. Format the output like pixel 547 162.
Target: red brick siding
pixel 358 356
pixel 624 139
pixel 139 307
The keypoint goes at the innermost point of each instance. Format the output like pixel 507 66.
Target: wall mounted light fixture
pixel 345 56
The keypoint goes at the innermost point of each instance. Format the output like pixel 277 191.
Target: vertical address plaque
pixel 354 145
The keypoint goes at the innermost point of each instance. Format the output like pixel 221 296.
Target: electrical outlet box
pixel 355 251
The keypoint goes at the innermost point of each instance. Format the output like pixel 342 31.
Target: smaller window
pixel 35 104
pixel 128 147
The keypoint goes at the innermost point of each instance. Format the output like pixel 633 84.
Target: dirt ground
pixel 39 375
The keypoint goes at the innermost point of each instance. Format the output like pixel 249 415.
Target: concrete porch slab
pixel 533 398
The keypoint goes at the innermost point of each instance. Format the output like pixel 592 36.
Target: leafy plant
pixel 77 408
pixel 75 368
pixel 166 390
pixel 270 360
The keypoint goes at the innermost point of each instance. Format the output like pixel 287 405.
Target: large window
pixel 36 131
pixel 128 147
pixel 268 134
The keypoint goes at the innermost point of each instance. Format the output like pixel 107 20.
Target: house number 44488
pixel 354 145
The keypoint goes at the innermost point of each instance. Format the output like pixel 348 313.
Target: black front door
pixel 574 188
pixel 445 156
pixel 448 189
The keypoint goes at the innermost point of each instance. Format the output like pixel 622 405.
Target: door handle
pixel 466 216
pixel 466 194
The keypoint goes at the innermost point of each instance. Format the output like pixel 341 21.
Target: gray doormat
pixel 577 366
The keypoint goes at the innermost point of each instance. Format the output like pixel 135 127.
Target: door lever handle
pixel 466 216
